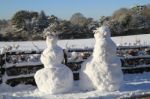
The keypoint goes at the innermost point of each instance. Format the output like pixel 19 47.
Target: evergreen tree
pixel 42 21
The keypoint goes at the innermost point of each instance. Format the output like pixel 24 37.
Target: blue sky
pixel 65 8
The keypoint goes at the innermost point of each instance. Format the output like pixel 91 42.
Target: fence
pixel 20 66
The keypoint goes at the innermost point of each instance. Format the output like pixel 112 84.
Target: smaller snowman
pixel 54 78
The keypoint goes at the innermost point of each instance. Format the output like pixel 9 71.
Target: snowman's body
pixel 102 70
pixel 53 54
pixel 55 77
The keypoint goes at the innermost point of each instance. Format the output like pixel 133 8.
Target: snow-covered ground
pixel 134 84
pixel 80 43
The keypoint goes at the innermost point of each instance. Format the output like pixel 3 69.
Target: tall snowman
pixel 102 71
pixel 54 78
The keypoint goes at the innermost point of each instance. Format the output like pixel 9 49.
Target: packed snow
pixel 134 84
pixel 53 54
pixel 102 71
pixel 54 78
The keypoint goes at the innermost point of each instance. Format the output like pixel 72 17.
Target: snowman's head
pixel 102 32
pixel 52 30
pixel 51 35
pixel 51 39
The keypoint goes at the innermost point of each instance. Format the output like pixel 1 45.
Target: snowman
pixel 54 78
pixel 102 71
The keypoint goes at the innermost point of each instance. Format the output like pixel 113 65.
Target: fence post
pixel 65 56
pixel 2 62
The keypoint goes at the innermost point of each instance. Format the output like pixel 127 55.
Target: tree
pixel 42 21
pixel 119 12
pixel 23 20
pixel 19 18
pixel 103 20
pixel 52 19
pixel 78 19
pixel 146 12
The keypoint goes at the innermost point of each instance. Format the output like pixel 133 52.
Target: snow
pixel 134 84
pixel 74 57
pixel 5 77
pixel 8 65
pixel 79 43
pixel 51 56
pixel 136 67
pixel 102 71
pixel 54 78
pixel 134 57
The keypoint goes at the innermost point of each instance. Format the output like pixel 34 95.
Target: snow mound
pixel 102 71
pixel 54 80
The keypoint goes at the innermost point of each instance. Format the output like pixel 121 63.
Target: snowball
pixel 102 70
pixel 74 55
pixel 58 79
